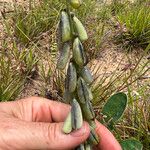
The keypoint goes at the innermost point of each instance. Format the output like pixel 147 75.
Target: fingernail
pixel 80 132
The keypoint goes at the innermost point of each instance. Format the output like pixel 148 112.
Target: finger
pixel 107 140
pixel 42 136
pixel 37 109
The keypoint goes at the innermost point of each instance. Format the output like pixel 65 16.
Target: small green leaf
pixel 115 107
pixel 131 144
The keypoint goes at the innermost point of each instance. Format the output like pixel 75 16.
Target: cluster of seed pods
pixel 78 77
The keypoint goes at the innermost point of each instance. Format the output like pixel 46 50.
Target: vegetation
pixel 135 27
pixel 28 25
pixel 28 55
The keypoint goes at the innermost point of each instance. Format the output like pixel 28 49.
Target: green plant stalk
pixel 77 87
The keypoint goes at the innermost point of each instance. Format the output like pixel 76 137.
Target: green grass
pixel 107 83
pixel 11 81
pixel 30 23
pixel 16 67
pixel 117 6
pixel 134 26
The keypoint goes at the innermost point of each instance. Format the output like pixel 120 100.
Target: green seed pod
pixel 64 56
pixel 76 114
pixel 71 79
pixel 86 75
pixel 67 127
pixel 78 53
pixel 88 111
pixel 65 27
pixel 84 92
pixel 80 29
pixel 93 138
pixel 80 147
pixel 87 146
pixel 67 98
pixel 75 3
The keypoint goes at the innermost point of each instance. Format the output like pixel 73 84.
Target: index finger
pixel 36 109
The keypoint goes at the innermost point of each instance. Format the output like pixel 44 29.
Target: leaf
pixel 115 107
pixel 131 144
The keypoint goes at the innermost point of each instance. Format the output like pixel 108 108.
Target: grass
pixel 16 67
pixel 117 6
pixel 11 80
pixel 38 19
pixel 134 27
pixel 11 83
pixel 24 58
pixel 107 83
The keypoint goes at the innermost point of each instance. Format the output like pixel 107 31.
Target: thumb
pixel 45 136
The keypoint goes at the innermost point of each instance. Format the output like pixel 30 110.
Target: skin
pixel 36 124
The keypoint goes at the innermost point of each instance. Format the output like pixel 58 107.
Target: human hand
pixel 36 123
pixel 107 140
